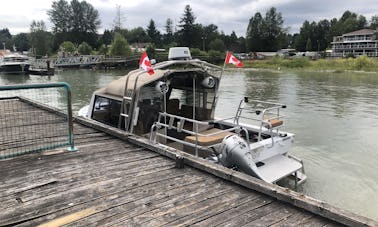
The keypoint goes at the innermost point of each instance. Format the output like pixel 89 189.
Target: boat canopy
pixel 116 88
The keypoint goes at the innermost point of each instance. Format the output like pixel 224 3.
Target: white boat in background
pixel 175 107
pixel 14 63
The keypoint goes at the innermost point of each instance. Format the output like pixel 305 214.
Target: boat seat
pixel 173 106
pixel 202 114
pixel 273 122
pixel 209 140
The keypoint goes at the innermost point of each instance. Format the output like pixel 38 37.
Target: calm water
pixel 334 117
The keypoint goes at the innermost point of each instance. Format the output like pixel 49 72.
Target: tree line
pixel 75 26
pixel 269 34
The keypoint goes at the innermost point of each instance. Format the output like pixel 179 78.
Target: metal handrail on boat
pixel 269 116
pixel 180 122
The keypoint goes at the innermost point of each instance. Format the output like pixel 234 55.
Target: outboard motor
pixel 235 152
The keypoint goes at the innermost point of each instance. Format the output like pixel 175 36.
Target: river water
pixel 334 117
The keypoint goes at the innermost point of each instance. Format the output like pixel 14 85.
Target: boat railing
pixel 169 121
pixel 267 116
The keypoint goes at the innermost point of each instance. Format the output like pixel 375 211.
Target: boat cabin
pixel 168 91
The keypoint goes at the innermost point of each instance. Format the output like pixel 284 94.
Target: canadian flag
pixel 231 59
pixel 145 64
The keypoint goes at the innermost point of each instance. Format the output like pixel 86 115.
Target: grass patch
pixel 361 63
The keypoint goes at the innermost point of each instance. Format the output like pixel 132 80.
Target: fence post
pixel 70 119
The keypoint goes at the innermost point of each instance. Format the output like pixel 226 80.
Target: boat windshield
pixel 178 100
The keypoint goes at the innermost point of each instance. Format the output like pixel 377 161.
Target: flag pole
pixel 224 66
pixel 217 84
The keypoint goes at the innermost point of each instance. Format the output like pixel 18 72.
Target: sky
pixel 17 15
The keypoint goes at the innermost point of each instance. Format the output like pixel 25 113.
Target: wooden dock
pixel 123 180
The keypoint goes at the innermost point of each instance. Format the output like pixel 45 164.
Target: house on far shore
pixel 361 42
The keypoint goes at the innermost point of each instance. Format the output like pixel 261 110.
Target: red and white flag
pixel 145 64
pixel 231 59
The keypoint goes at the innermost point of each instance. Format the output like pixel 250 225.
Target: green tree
pixel 187 27
pixel 21 42
pixel 119 46
pixel 208 34
pixel 308 45
pixel 255 32
pixel 374 22
pixel 40 39
pixel 349 22
pixel 5 38
pixel 153 33
pixel 76 22
pixel 266 34
pixel 151 51
pixel 137 35
pixel 168 36
pixel 107 37
pixel 60 16
pixel 84 48
pixel 103 50
pixel 273 28
pixel 306 33
pixel 217 44
pixel 322 35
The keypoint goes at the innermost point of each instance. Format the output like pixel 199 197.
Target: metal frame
pixel 194 132
pixel 67 87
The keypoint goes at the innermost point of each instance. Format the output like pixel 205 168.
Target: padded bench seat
pixel 274 123
pixel 209 140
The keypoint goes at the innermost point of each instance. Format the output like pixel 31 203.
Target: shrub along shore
pixel 361 63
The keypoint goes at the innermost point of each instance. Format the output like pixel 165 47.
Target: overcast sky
pixel 228 15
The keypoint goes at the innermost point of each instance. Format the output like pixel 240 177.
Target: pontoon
pixel 175 107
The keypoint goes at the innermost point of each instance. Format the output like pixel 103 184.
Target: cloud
pixel 229 16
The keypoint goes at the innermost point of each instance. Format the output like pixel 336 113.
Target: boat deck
pixel 110 181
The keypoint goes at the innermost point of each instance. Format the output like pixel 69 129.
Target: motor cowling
pixel 235 152
pixel 233 146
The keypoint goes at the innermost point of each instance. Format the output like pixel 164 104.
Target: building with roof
pixel 361 42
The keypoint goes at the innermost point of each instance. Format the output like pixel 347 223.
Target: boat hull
pixel 15 68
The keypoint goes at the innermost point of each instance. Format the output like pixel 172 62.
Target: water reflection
pixel 6 79
pixel 263 86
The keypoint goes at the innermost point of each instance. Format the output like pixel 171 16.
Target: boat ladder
pixel 126 107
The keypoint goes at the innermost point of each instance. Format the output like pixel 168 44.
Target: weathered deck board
pixel 113 182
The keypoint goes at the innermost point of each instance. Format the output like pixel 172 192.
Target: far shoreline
pixel 361 64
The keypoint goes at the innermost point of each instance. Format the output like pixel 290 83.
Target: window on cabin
pixel 181 103
pixel 106 110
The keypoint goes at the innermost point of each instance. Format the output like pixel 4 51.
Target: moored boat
pixel 175 106
pixel 14 63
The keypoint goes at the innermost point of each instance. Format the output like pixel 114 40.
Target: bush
pixel 103 49
pixel 197 53
pixel 67 46
pixel 217 44
pixel 296 63
pixel 151 51
pixel 119 46
pixel 216 56
pixel 362 62
pixel 84 48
